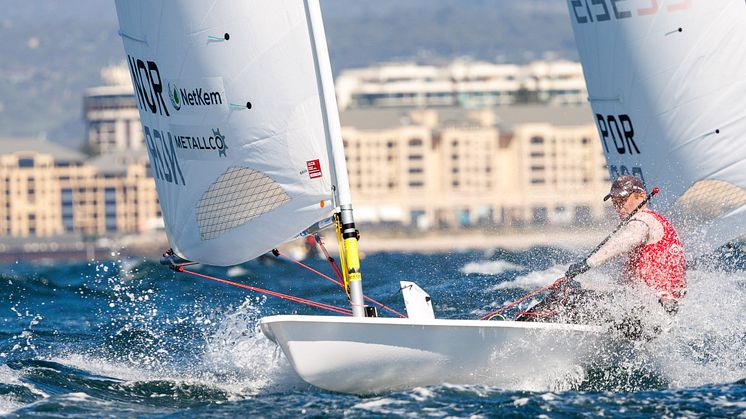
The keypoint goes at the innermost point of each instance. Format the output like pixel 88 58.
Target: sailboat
pixel 667 87
pixel 240 120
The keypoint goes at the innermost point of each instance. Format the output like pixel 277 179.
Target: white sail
pixel 232 106
pixel 667 83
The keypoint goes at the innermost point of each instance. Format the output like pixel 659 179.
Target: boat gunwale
pixel 506 324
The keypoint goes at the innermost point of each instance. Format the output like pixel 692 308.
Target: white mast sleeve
pixel 329 103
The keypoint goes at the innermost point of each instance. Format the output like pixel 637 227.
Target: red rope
pixel 327 277
pixel 329 259
pixel 524 298
pixel 549 313
pixel 311 303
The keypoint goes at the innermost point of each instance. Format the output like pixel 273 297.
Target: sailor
pixel 655 256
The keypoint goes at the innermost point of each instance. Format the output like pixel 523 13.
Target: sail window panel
pixel 238 196
pixel 709 199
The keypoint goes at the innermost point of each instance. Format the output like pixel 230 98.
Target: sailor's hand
pixel 571 283
pixel 576 269
pixel 670 305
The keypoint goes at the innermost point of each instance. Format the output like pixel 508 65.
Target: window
pixel 415 157
pixel 583 214
pixel 415 142
pixel 110 196
pixel 537 140
pixel 540 215
pixel 25 162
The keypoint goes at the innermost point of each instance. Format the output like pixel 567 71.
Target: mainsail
pixel 667 84
pixel 232 104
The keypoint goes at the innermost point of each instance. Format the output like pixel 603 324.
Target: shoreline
pixel 151 245
pixel 480 240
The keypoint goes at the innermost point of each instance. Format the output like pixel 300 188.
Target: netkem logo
pixel 197 96
pixel 173 94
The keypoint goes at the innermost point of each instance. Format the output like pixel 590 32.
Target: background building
pixel 414 160
pixel 48 190
pixel 454 167
pixel 111 116
pixel 470 84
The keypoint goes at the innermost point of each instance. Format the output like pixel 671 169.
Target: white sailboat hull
pixel 374 355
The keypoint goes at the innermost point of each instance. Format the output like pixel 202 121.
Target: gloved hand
pixel 669 304
pixel 576 269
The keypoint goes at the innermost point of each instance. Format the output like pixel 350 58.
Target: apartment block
pixel 47 190
pixel 451 167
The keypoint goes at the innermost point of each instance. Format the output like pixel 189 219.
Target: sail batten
pixel 232 114
pixel 680 119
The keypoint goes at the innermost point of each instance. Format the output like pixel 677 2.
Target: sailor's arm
pixel 634 234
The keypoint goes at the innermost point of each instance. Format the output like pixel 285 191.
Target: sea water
pixel 127 337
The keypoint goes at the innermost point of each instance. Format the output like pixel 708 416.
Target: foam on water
pixel 492 267
pixel 238 349
pixel 707 342
pixel 9 404
pixel 703 344
pixel 9 400
pixel 532 280
pixel 225 350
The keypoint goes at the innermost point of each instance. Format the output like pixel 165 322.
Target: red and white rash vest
pixel 660 265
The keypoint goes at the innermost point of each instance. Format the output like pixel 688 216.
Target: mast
pixel 337 158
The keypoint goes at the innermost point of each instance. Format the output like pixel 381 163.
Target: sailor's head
pixel 626 194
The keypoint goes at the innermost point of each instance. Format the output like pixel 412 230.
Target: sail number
pixel 618 131
pixel 146 80
pixel 589 11
pixel 622 170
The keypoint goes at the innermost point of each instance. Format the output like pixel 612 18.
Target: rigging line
pixel 300 300
pixel 327 277
pixel 552 312
pixel 527 296
pixel 332 262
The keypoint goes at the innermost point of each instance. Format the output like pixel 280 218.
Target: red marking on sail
pixel 649 10
pixel 682 5
pixel 314 168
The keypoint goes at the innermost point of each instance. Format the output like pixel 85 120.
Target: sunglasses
pixel 618 201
